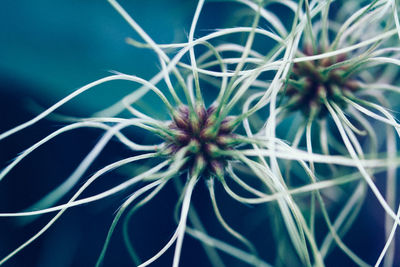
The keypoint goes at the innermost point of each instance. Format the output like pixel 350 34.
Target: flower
pixel 247 138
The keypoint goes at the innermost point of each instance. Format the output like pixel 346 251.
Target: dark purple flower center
pixel 204 137
pixel 312 81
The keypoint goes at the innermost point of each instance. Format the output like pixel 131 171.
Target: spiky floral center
pixel 203 136
pixel 312 82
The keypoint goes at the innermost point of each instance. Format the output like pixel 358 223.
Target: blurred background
pixel 48 49
pixel 52 48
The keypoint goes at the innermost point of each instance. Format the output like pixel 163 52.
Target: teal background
pixel 49 49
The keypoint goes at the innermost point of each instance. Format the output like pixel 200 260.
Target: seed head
pixel 202 136
pixel 312 82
